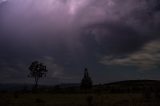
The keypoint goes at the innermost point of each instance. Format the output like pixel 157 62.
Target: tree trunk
pixel 36 82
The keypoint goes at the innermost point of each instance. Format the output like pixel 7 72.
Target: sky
pixel 115 39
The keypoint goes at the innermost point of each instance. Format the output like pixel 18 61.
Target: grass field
pixel 48 99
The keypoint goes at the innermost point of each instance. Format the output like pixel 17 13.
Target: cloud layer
pixel 70 34
pixel 146 58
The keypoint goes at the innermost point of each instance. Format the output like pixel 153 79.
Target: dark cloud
pixel 68 35
pixel 115 38
pixel 146 58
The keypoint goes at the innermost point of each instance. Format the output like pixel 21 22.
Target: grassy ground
pixel 47 99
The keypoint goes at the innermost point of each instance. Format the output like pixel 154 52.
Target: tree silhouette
pixel 86 82
pixel 37 71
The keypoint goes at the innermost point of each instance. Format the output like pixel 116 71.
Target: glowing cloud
pixel 75 5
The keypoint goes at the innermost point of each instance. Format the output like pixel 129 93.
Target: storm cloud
pixel 72 34
pixel 146 58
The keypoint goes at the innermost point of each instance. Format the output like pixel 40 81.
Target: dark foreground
pixel 98 99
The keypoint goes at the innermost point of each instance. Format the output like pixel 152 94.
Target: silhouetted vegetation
pixel 37 71
pixel 86 82
pixel 123 93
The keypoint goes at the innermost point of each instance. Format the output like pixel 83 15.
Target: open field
pixel 49 99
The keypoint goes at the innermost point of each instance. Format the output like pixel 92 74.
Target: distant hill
pixel 131 83
pixel 131 86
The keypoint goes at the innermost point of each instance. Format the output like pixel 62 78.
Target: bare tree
pixel 37 71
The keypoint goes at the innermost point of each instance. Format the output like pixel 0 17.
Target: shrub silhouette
pixel 37 71
pixel 86 82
